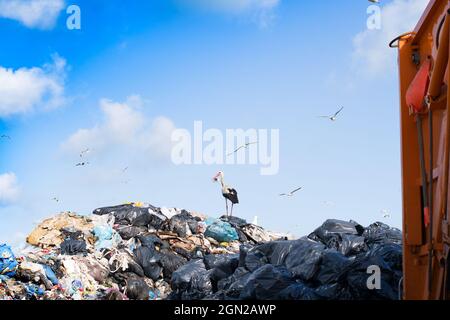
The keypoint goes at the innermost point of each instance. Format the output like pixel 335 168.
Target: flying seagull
pixel 241 147
pixel 374 1
pixel 86 151
pixel 334 116
pixel 4 136
pixel 124 169
pixel 81 164
pixel 55 199
pixel 386 214
pixel 290 194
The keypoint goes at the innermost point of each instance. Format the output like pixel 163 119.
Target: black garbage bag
pixel 182 277
pixel 267 283
pixel 171 262
pixel 71 233
pixel 151 241
pixel 222 266
pixel 243 250
pixel 380 233
pixel 255 258
pixel 351 245
pixel 199 287
pixel 333 267
pixel 183 224
pixel 138 289
pixel 333 291
pixel 73 247
pixel 332 227
pixel 301 257
pixel 149 260
pixel 128 232
pixel 112 210
pixel 123 277
pixel 232 286
pixel 298 291
pixel 388 258
pixel 222 260
pixel 128 214
pixel 234 221
pixel 157 220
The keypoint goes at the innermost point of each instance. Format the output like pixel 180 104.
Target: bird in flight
pixel 55 199
pixel 86 151
pixel 290 194
pixel 81 164
pixel 4 136
pixel 248 144
pixel 124 169
pixel 386 214
pixel 374 1
pixel 334 116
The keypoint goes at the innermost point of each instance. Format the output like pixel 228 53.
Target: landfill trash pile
pixel 140 252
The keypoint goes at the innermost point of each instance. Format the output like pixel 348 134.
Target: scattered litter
pixel 136 251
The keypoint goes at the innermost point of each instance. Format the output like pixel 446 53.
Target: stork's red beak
pixel 216 177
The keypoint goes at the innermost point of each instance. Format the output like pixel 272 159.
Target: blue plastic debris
pixel 153 295
pixel 34 290
pixel 50 275
pixel 107 238
pixel 221 231
pixel 77 285
pixel 8 263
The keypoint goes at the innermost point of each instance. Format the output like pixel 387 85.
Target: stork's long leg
pixel 232 204
pixel 226 204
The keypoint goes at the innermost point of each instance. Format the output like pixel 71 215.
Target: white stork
pixel 227 192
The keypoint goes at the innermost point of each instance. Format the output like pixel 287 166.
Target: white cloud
pixel 25 89
pixel 371 53
pixel 9 189
pixel 125 127
pixel 260 11
pixel 41 14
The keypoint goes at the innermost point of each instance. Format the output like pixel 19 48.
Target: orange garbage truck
pixel 424 62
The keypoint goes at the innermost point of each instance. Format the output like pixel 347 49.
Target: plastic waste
pixel 8 263
pixel 255 233
pixel 234 221
pixel 138 251
pixel 183 224
pixel 73 247
pixel 138 289
pixel 221 231
pixel 199 287
pixel 149 260
pixel 388 257
pixel 107 238
pixel 182 277
pixel 266 283
pixel 333 227
pixel 380 233
pixel 301 257
pixel 129 232
pixel 50 275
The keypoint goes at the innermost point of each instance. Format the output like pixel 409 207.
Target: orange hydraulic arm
pixel 425 132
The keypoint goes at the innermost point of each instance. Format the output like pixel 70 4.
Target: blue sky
pixel 264 64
